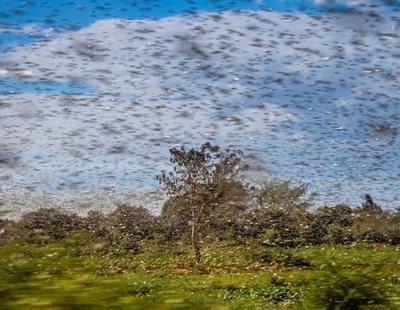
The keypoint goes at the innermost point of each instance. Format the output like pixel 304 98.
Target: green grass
pixel 77 273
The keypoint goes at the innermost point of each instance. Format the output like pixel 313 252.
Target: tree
pixel 195 181
pixel 284 195
pixel 281 206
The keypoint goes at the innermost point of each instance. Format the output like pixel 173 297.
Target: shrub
pixel 8 229
pixel 95 222
pixel 284 195
pixel 337 234
pixel 338 289
pixel 369 206
pixel 287 225
pixel 340 214
pixel 281 206
pixel 376 228
pixel 229 213
pixel 50 222
pixel 269 237
pixel 174 220
pixel 129 225
pixel 315 232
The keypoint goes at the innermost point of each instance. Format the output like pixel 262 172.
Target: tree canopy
pixel 196 181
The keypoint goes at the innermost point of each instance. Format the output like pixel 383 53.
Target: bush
pixel 338 289
pixel 174 220
pixel 229 213
pixel 338 234
pixel 281 206
pixel 129 225
pixel 340 214
pixel 369 206
pixel 315 232
pixel 50 222
pixel 225 222
pixel 8 229
pixel 269 237
pixel 376 228
pixel 287 225
pixel 95 222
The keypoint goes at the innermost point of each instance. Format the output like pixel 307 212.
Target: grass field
pixel 79 273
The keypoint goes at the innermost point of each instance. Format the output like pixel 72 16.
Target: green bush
pixel 339 289
pixel 376 228
pixel 269 237
pixel 338 234
pixel 8 230
pixel 315 232
pixel 50 222
pixel 129 225
pixel 174 220
pixel 340 214
pixel 95 222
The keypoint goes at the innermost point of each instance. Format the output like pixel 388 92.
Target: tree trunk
pixel 195 242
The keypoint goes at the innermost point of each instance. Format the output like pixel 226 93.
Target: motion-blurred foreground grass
pixel 79 273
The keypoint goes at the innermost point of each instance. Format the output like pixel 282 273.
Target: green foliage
pixel 341 289
pixel 262 248
pixel 129 225
pixel 281 206
pixel 337 234
pixel 226 216
pixel 341 215
pixel 282 258
pixel 50 222
pixel 174 220
pixel 381 227
pixel 62 274
pixel 270 237
pixel 275 292
pixel 136 222
pixel 284 195
pixel 96 223
pixel 287 226
pixel 196 186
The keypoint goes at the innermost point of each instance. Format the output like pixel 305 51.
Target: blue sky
pixel 24 22
pixel 75 14
pixel 95 94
